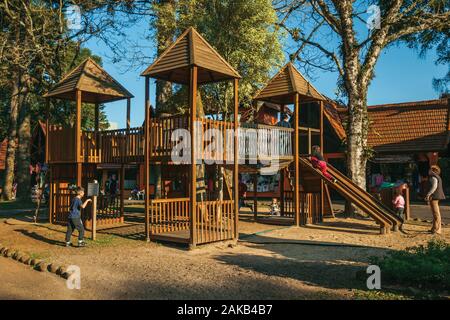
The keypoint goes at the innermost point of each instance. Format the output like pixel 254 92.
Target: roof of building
pixel 191 49
pixel 420 126
pixel 282 87
pixel 96 84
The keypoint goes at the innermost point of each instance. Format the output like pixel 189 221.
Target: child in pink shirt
pixel 399 203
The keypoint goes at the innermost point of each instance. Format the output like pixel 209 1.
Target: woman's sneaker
pixel 81 244
pixel 68 244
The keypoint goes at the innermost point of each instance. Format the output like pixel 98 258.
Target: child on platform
pixel 75 218
pixel 319 162
pixel 274 207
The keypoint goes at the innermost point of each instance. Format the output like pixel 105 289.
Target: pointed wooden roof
pixel 96 84
pixel 282 87
pixel 188 50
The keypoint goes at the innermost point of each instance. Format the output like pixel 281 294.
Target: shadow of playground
pixel 323 264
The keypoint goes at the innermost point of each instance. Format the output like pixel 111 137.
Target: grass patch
pixel 426 267
pixel 105 241
pixel 379 295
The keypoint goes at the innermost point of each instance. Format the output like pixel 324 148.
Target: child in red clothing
pixel 318 162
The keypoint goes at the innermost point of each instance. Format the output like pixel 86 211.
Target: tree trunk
pixel 357 152
pixel 12 136
pixel 23 154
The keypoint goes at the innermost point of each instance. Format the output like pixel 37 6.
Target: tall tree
pixel 164 24
pixel 33 40
pixel 338 35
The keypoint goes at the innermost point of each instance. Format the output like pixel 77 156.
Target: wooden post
pixel 122 189
pixel 97 118
pixel 147 158
pixel 78 139
pixel 281 188
pixel 296 161
pixel 47 125
pixel 236 159
pixel 309 141
pixel 96 129
pixel 322 184
pixel 408 205
pixel 128 113
pixel 193 119
pixel 255 199
pixel 94 218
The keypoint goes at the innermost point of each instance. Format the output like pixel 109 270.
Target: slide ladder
pixel 383 215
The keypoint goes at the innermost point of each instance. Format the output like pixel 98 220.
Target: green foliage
pixel 422 266
pixel 244 33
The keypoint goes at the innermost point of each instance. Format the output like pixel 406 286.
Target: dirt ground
pixel 270 262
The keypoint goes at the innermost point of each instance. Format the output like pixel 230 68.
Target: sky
pixel 401 76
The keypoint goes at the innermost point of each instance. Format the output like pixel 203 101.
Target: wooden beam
pixel 97 118
pixel 147 158
pixel 322 184
pixel 281 187
pixel 236 159
pixel 296 161
pixel 78 138
pixel 128 114
pixel 126 152
pixel 193 119
pixel 255 198
pixel 47 125
pixel 122 189
pixel 309 141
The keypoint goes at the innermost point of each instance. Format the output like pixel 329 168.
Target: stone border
pixel 36 264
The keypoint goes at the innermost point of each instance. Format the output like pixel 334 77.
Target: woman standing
pixel 434 195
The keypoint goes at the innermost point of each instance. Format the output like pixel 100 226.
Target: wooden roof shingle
pixel 282 87
pixel 191 49
pixel 96 84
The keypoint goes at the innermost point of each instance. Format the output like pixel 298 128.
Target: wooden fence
pixel 214 219
pixel 310 207
pixel 108 208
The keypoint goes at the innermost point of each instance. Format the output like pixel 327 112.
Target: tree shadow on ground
pixel 40 237
pixel 323 264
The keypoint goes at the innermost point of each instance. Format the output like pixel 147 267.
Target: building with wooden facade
pixel 406 138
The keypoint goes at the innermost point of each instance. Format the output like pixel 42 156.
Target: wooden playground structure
pixel 192 217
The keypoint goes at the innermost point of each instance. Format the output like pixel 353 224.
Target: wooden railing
pixel 215 221
pixel 161 130
pixel 61 144
pixel 90 149
pixel 265 142
pixel 309 207
pixel 215 142
pixel 108 208
pixel 60 205
pixel 169 215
